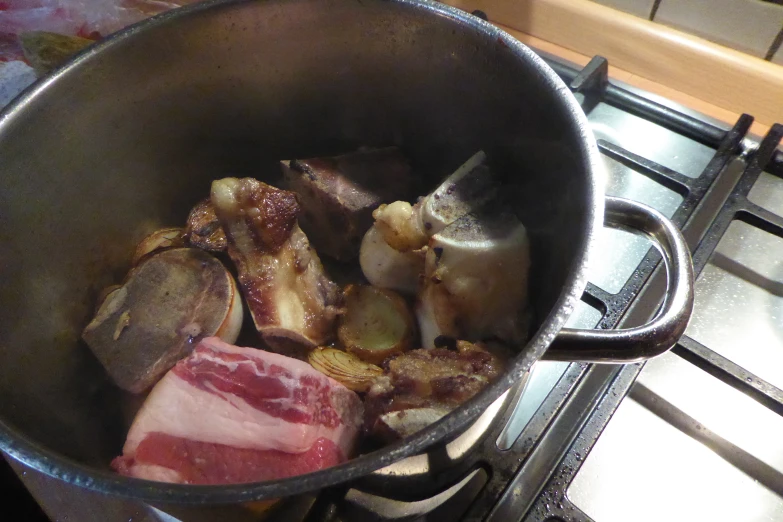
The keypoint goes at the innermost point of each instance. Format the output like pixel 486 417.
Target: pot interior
pixel 129 137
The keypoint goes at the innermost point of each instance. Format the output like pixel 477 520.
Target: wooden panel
pixel 641 8
pixel 717 75
pixel 749 26
pixel 719 113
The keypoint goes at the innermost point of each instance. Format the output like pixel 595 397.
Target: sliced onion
pixel 345 368
pixel 376 323
pixel 158 240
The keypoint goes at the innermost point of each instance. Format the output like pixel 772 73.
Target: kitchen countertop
pixel 616 73
pixel 707 77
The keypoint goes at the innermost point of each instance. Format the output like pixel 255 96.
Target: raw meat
pixel 10 48
pixel 229 414
pixel 292 301
pixel 189 462
pixel 339 194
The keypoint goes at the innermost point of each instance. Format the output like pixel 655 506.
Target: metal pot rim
pixel 16 445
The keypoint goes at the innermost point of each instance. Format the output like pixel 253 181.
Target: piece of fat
pixel 475 280
pixel 397 425
pixel 386 267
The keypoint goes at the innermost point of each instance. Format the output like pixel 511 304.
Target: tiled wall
pixel 751 26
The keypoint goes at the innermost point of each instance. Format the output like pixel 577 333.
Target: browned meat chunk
pixel 437 380
pixel 170 300
pixel 292 301
pixel 203 228
pixel 339 194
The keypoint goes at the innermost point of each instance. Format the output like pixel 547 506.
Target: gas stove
pixel 691 435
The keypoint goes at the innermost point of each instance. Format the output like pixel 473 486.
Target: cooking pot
pixel 127 137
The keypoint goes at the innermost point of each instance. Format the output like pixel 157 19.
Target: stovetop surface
pixel 691 435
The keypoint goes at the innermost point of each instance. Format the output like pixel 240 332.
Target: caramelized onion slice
pixel 376 323
pixel 345 368
pixel 157 241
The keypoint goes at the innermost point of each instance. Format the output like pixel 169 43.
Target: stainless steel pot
pixel 127 137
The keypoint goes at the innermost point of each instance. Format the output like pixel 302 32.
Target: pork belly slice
pixel 184 461
pixel 338 195
pixel 229 414
pixel 292 301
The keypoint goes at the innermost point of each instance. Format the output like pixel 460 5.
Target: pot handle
pixel 654 338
